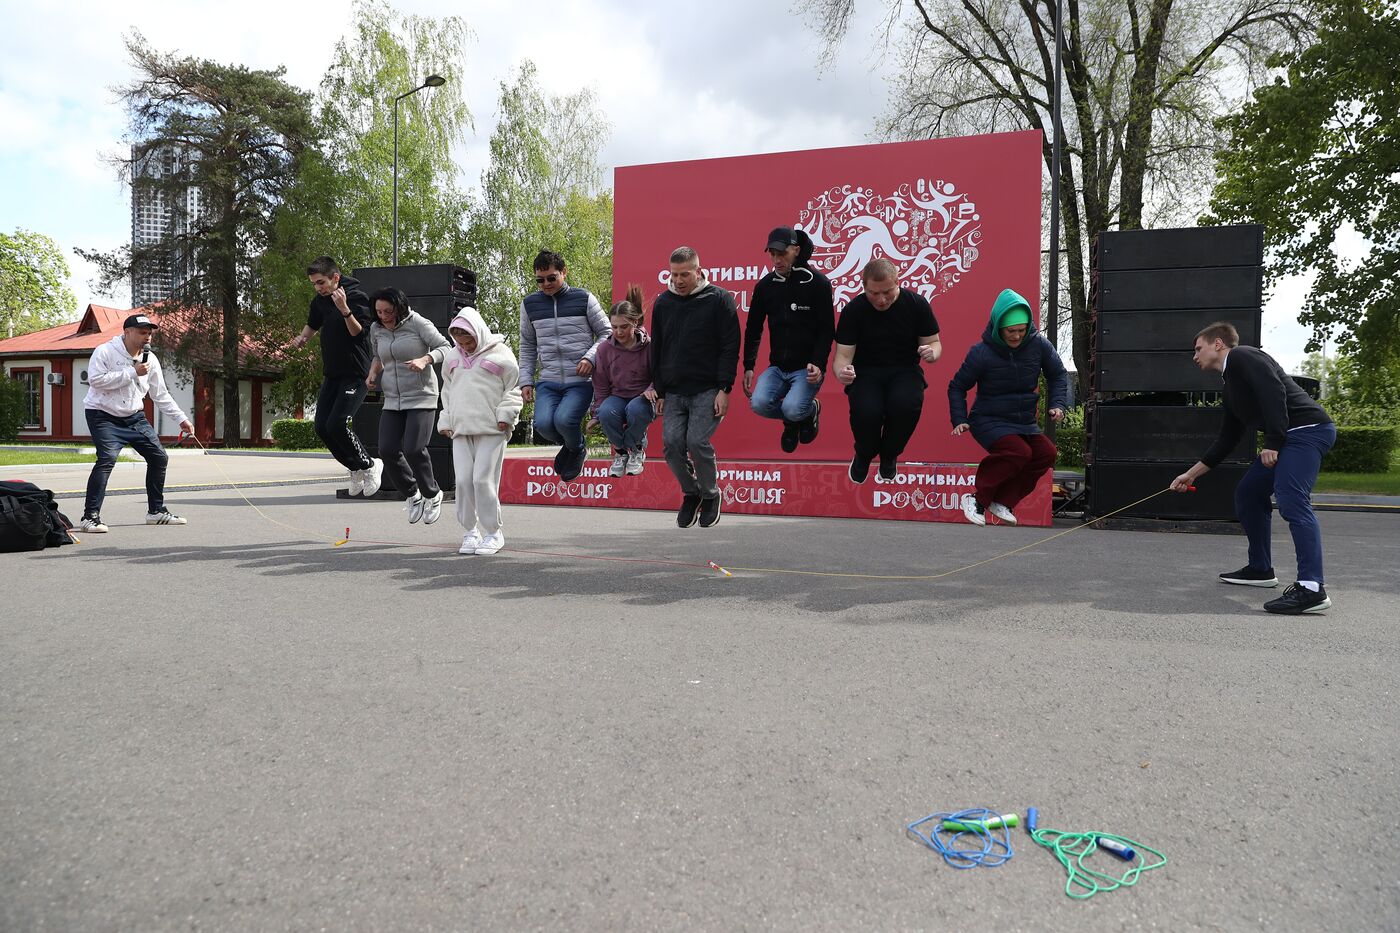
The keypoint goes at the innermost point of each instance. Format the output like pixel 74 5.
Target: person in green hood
pixel 1005 366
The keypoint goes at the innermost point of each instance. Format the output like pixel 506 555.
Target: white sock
pixel 1315 587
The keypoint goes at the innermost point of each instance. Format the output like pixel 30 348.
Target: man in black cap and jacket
pixel 796 302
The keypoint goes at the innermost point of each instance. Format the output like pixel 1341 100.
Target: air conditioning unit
pixel 54 379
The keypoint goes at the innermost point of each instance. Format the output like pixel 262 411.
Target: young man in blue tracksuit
pixel 560 328
pixel 1006 366
pixel 1297 433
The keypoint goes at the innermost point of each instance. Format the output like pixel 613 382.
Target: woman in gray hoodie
pixel 406 345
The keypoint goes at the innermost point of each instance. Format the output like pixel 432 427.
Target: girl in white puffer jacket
pixel 481 403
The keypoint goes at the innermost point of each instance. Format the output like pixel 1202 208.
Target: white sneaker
pixel 357 483
pixel 491 543
pixel 972 510
pixel 93 525
pixel 470 542
pixel 164 517
pixel 415 508
pixel 373 476
pixel 1001 513
pixel 434 509
pixel 635 459
pixel 619 464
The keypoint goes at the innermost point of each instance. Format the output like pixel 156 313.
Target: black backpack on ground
pixel 30 519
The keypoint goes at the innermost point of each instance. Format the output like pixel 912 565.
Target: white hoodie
pixel 482 389
pixel 114 387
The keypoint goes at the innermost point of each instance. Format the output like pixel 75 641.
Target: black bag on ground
pixel 30 519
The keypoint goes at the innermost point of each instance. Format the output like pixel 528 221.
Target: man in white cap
pixel 121 373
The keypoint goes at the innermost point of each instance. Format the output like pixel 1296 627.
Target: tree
pixel 34 291
pixel 342 202
pixel 237 136
pixel 1142 84
pixel 1317 153
pixel 542 190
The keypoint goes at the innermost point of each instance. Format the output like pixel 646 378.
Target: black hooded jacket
pixel 341 353
pixel 798 309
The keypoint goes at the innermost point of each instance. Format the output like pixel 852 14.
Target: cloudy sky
pixel 726 77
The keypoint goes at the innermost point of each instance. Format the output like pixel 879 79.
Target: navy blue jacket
pixel 1006 382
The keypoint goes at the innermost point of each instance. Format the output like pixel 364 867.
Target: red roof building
pixel 51 364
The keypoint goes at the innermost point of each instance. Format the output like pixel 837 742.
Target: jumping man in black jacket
pixel 1297 432
pixel 341 313
pixel 795 300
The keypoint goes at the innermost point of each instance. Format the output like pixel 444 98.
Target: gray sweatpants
pixel 687 424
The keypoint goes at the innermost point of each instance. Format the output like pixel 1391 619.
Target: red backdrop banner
pixel 960 217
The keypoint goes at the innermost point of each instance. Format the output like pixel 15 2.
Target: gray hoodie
pixel 415 336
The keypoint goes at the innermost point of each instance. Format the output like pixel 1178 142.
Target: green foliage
pixel 1361 450
pixel 294 434
pixel 1357 393
pixel 1315 155
pixel 34 291
pixel 342 203
pixel 12 408
pixel 542 190
pixel 1069 439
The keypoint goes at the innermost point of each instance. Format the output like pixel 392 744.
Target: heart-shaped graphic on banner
pixel 929 229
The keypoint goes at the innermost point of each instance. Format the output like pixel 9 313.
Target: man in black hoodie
pixel 694 352
pixel 341 313
pixel 796 302
pixel 1297 433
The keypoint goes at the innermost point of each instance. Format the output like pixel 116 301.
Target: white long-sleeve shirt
pixel 114 387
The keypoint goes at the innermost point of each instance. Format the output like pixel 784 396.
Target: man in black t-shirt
pixel 341 313
pixel 882 337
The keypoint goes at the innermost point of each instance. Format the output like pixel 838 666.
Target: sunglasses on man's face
pixel 551 279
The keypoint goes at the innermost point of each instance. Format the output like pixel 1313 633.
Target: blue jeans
pixel 625 421
pixel 785 395
pixel 1290 481
pixel 110 434
pixel 559 412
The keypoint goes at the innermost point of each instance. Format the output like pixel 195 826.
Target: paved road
pixel 235 725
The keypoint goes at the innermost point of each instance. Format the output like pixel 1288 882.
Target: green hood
pixel 1006 302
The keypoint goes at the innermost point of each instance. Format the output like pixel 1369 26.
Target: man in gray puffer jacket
pixel 560 328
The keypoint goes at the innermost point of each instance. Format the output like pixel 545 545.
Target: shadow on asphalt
pixel 603 568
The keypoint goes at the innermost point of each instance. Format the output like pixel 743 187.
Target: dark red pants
pixel 1012 467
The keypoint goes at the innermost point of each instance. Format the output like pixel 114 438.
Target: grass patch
pixel 33 457
pixel 1361 484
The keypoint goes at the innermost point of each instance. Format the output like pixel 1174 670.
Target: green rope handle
pixel 1071 849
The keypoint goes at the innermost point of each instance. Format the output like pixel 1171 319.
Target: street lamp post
pixel 429 81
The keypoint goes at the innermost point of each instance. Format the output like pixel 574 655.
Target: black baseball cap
pixel 140 320
pixel 781 238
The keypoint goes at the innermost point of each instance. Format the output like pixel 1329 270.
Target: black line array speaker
pixel 1152 412
pixel 435 291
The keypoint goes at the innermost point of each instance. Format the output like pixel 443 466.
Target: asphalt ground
pixel 235 725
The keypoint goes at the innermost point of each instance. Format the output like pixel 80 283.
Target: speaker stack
pixel 436 292
pixel 1152 412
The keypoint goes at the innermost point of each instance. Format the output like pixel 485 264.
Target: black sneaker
pixel 807 430
pixel 858 470
pixel 709 512
pixel 789 439
pixel 1298 599
pixel 690 508
pixel 568 463
pixel 1247 576
pixel 888 469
